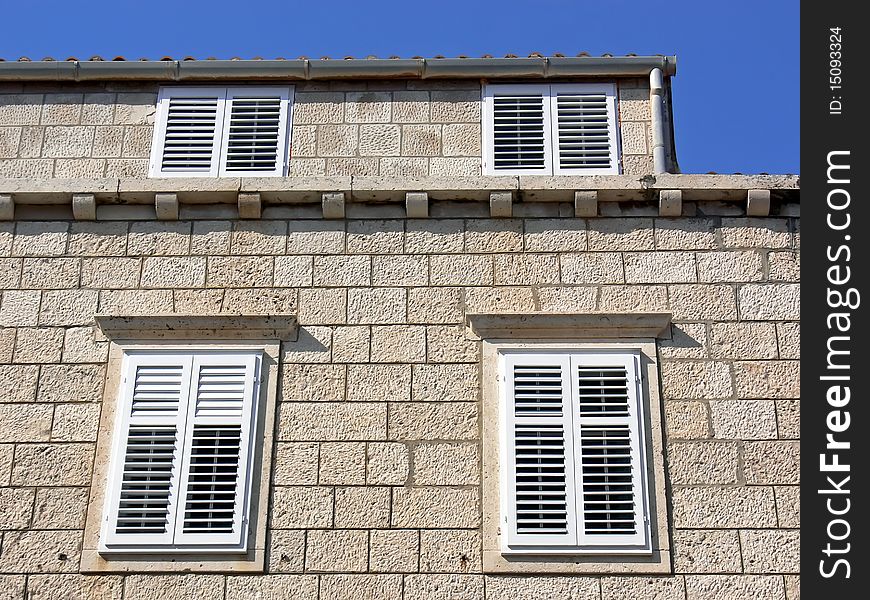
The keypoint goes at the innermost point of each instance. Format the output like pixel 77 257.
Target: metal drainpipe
pixel 658 135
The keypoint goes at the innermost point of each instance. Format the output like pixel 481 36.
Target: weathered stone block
pixel 622 298
pixel 450 550
pixel 788 419
pixel 60 508
pixel 526 269
pixel 98 239
pixel 80 346
pixel 75 423
pixel 723 507
pixel 318 107
pixel 75 587
pixel 435 507
pixel 567 299
pixel 342 463
pixel 688 340
pixel 16 508
pixel 621 235
pixel 788 506
pixel 524 587
pixel 690 380
pixel 239 271
pixel 337 140
pixel 734 587
pixel 772 462
pixel 456 106
pixel 660 267
pixel 455 383
pixel 378 383
pixel 446 464
pixel 388 464
pixel 296 463
pixel 160 239
pixel 398 343
pixel 433 421
pixel 768 379
pixel 48 273
pixel 332 271
pixel 38 345
pixel 449 344
pixel 322 306
pixel 494 235
pixel 379 140
pixel 461 140
pixel 301 507
pixel 65 383
pixel 306 421
pixel 714 267
pixel 38 238
pixel 394 551
pixel 336 551
pixel 259 237
pixel 686 420
pixel 555 235
pixel 174 587
pixel 770 551
pixel 19 309
pixel 743 340
pixel 18 383
pixel 410 107
pixel 703 302
pixel 40 551
pixel 434 236
pixel 286 551
pixel 444 587
pixel 458 270
pixel 361 587
pixel 743 419
pixel 174 272
pixel 376 236
pixel 362 507
pixel 643 588
pixel 273 587
pixel 499 299
pixel 698 463
pixel 377 305
pixel 400 270
pixel 706 551
pixel 767 302
pixel 68 142
pixel 313 345
pixel 592 268
pixel 755 233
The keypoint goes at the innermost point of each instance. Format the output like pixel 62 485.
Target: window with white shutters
pixel 182 453
pixel 574 472
pixel 557 129
pixel 226 132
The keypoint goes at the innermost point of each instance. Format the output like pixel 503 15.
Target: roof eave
pixel 307 70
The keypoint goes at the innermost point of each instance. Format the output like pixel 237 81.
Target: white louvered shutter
pixel 611 499
pixel 517 132
pixel 255 131
pixel 215 484
pixel 146 456
pixel 584 129
pixel 538 466
pixel 188 132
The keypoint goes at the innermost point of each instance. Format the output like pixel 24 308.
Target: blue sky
pixel 736 93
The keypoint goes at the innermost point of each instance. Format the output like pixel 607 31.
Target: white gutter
pixel 656 86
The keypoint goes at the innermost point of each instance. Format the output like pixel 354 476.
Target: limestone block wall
pixel 376 480
pixel 392 128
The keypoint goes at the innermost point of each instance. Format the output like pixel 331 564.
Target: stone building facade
pixel 365 274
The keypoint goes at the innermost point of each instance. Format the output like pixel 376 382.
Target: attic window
pixel 221 132
pixel 556 129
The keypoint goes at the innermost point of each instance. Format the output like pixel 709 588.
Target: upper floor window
pixel 550 129
pixel 221 132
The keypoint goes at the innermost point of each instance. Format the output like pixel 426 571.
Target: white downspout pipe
pixel 656 107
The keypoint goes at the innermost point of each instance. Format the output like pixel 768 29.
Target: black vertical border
pixel 824 129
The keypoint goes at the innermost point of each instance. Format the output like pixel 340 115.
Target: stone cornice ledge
pixel 568 325
pixel 211 327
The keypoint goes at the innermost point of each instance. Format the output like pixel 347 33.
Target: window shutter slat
pixel 143 490
pixel 612 501
pixel 584 129
pixel 188 132
pixel 217 457
pixel 539 506
pixel 255 131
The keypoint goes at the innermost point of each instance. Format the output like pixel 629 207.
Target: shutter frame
pixel 236 539
pixel 284 95
pixel 110 539
pixel 158 145
pixel 609 91
pixel 513 540
pixel 174 539
pixel 640 539
pixel 490 93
